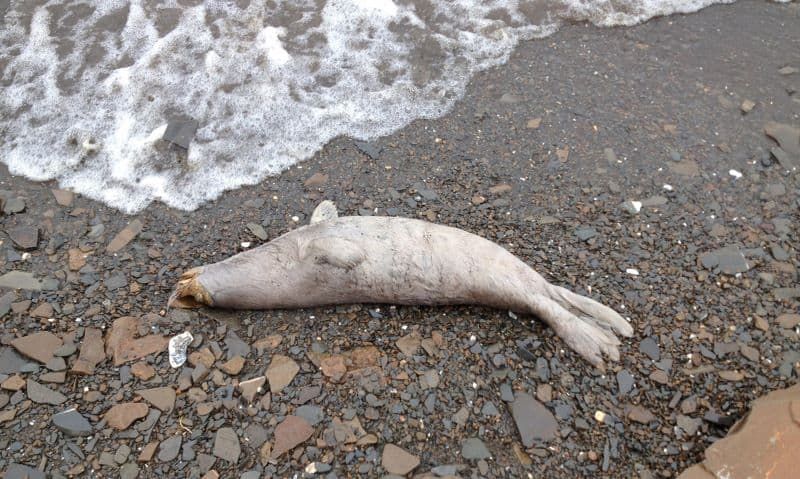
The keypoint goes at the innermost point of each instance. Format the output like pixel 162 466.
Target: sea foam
pixel 88 88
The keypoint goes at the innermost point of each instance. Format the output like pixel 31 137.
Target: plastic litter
pixel 177 348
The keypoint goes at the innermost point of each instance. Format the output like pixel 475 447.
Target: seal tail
pixel 592 311
pixel 190 293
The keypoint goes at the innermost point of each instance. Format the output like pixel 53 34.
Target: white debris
pixel 600 416
pixel 632 271
pixel 735 173
pixel 245 244
pixel 177 348
pixel 667 187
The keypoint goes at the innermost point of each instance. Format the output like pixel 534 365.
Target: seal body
pixel 397 261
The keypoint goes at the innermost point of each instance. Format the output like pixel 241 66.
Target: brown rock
pixel 58 377
pixel 123 346
pixel 25 238
pixel 762 444
pixel 148 452
pixel 14 383
pixel 544 392
pixel 121 416
pixel 534 421
pixel 398 461
pixel 280 372
pixel 269 343
pixel 333 366
pixel 534 123
pixel 76 259
pixel 248 389
pixel 409 344
pixel 685 168
pixel 789 320
pixel 500 189
pixel 63 197
pixel 91 352
pixel 39 346
pixel 731 375
pixel 212 474
pixel 162 398
pixel 478 200
pixel 125 236
pixel 233 366
pixel 292 432
pixel 315 180
pixel 226 445
pixel 640 414
pixel 203 356
pixel 659 376
pixel 43 310
pixel 143 371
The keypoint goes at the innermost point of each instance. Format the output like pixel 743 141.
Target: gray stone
pixel 649 346
pixel 181 132
pixel 20 280
pixel 10 361
pixel 121 456
pixel 624 381
pixel 729 260
pixel 169 448
pixel 21 471
pixel 506 393
pixel 43 395
pixel 25 238
pixel 312 414
pixel 226 445
pixel 258 231
pixel 72 423
pixel 129 471
pixel 115 282
pixel 474 448
pixel 534 421
pixel 489 409
pixel 585 233
pixel 250 475
pixel 13 206
pixel 235 345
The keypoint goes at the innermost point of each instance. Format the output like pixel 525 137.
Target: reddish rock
pixel 269 343
pixel 39 346
pixel 280 372
pixel 409 344
pixel 43 310
pixel 143 371
pixel 123 346
pixel 248 389
pixel 63 197
pixel 14 383
pixel 162 398
pixel 233 366
pixel 91 352
pixel 76 259
pixel 121 416
pixel 333 366
pixel 289 434
pixel 125 236
pixel 398 461
pixel 762 444
pixel 148 452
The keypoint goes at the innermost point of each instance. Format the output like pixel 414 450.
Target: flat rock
pixel 21 471
pixel 226 445
pixel 169 448
pixel 39 346
pixel 63 197
pixel 76 259
pixel 789 320
pixel 316 180
pixel 281 371
pixel 649 346
pixel 162 398
pixel 762 444
pixel 13 206
pixel 248 389
pixel 258 231
pixel 25 238
pixel 10 361
pixel 233 366
pixel 181 132
pixel 313 415
pixel 123 345
pixel 42 394
pixel 91 353
pixel 72 423
pixel 398 461
pixel 624 381
pixel 640 414
pixel 290 433
pixel 125 236
pixel 409 344
pixel 20 280
pixel 534 421
pixel 474 449
pixel 121 416
pixel 729 260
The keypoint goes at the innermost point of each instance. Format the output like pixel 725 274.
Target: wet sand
pixel 539 156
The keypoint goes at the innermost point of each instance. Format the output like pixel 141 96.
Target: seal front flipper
pixel 323 212
pixel 335 251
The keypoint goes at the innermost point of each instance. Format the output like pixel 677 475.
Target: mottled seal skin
pixel 391 260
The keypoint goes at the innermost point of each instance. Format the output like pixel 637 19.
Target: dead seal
pixel 374 259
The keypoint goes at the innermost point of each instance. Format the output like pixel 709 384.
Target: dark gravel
pixel 600 157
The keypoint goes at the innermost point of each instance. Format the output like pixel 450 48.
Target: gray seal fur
pixel 389 260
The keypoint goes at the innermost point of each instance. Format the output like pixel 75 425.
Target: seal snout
pixel 190 293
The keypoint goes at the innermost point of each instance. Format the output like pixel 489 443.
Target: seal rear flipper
pixel 599 313
pixel 190 293
pixel 323 212
pixel 335 251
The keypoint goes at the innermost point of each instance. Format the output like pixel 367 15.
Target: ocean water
pixel 89 87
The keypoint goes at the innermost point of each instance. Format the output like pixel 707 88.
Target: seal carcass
pixel 340 260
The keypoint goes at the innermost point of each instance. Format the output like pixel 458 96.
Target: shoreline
pixel 538 156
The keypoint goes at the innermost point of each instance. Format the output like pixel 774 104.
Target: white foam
pixel 85 100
